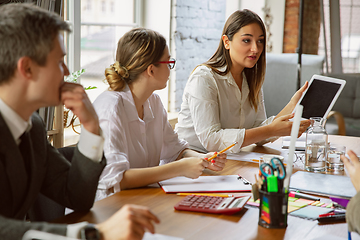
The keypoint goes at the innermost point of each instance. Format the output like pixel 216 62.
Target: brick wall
pixel 311 26
pixel 195 35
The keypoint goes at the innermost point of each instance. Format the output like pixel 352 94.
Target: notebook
pixel 224 183
pixel 322 184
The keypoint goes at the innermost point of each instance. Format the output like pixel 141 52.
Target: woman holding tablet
pixel 134 121
pixel 223 99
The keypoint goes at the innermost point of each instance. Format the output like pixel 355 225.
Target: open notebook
pixel 224 183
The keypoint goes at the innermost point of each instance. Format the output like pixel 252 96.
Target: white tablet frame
pixel 325 79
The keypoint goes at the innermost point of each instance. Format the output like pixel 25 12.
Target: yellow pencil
pixel 206 194
pixel 215 155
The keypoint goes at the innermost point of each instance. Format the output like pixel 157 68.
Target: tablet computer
pixel 320 96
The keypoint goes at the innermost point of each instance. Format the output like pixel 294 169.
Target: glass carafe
pixel 316 145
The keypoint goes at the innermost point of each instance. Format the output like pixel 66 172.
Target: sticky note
pixel 292 199
pixel 297 204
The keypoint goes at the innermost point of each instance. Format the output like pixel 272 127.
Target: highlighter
pixel 272 183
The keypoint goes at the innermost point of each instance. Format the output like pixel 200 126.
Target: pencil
pixel 206 194
pixel 215 155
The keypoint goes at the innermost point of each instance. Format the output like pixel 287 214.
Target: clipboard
pixel 223 183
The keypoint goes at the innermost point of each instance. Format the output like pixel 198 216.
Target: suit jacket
pixel 70 184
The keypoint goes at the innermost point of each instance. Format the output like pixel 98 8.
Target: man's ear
pixel 226 41
pixel 25 67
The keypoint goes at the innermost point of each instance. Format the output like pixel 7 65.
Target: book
pixel 322 184
pixel 223 183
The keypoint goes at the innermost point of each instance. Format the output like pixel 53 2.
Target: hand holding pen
pixel 218 159
pixel 217 163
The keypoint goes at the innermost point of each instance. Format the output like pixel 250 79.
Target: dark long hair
pixel 255 75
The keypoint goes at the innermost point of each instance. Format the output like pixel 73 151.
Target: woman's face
pixel 246 46
pixel 162 71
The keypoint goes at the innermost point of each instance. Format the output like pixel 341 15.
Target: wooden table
pixel 191 225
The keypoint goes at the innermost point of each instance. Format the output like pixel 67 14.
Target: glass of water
pixel 333 161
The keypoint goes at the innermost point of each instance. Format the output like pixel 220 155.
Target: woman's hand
pixel 352 165
pixel 281 126
pixel 192 167
pixel 289 108
pixel 218 163
pixel 296 97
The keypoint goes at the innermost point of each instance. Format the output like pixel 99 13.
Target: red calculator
pixel 212 204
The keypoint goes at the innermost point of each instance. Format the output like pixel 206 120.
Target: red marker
pixel 326 214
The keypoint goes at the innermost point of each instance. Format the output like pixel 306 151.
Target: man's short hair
pixel 26 30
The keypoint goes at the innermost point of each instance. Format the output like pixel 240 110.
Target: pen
pixel 302 195
pixel 331 214
pixel 206 194
pixel 215 155
pixel 332 218
pixel 245 181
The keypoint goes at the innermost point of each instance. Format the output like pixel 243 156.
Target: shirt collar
pixel 16 124
pixel 130 107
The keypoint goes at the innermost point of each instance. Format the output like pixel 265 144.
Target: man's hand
pixel 353 167
pixel 129 222
pixel 74 97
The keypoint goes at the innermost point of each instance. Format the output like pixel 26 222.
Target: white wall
pixel 277 10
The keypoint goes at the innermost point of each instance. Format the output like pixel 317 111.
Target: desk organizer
pixel 273 209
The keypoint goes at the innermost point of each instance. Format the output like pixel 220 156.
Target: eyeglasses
pixel 170 63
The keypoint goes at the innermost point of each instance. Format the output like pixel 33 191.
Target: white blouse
pixel 215 113
pixel 131 142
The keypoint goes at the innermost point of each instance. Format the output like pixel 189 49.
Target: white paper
pixel 224 183
pixel 156 236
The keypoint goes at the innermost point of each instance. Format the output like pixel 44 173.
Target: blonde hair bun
pixel 120 70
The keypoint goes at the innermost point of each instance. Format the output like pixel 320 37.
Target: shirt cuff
pixel 91 145
pixel 73 230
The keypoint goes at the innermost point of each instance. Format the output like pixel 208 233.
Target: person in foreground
pixel 352 165
pixel 223 100
pixel 32 74
pixel 138 136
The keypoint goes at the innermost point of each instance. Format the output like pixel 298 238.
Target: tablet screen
pixel 318 98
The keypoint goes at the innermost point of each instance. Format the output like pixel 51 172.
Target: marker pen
pixel 302 195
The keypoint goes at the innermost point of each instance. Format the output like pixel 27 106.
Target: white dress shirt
pixel 215 113
pixel 131 142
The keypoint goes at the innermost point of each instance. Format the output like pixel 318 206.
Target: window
pixel 103 6
pixel 112 7
pixel 92 44
pixel 350 35
pixel 99 33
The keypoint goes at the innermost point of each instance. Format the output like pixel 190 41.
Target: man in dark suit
pixel 32 74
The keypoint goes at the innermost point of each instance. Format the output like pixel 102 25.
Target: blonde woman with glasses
pixel 223 100
pixel 140 146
